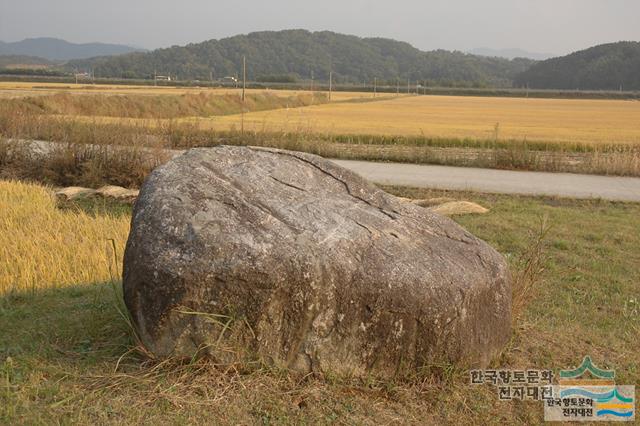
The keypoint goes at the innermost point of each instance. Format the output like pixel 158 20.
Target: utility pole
pixel 244 84
pixel 244 78
pixel 397 86
pixel 375 86
pixel 408 86
pixel 330 84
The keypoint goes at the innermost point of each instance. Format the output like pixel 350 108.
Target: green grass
pixel 97 206
pixel 65 355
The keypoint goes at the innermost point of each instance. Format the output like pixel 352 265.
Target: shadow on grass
pixel 97 206
pixel 80 324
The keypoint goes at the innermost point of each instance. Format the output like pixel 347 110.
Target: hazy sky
pixel 554 26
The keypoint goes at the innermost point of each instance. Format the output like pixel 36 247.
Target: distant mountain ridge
pixel 511 53
pixel 54 49
pixel 611 66
pixel 303 54
pixel 15 60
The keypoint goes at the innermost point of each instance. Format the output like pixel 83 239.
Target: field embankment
pixel 23 89
pixel 159 106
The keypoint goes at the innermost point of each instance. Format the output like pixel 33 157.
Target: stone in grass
pixel 72 193
pixel 453 208
pixel 118 193
pixel 239 254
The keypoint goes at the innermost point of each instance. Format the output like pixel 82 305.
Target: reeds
pixel 529 268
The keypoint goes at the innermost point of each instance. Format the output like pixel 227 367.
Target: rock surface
pixel 119 193
pixel 71 193
pixel 240 254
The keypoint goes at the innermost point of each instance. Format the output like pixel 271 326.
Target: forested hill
pixel 300 54
pixel 604 67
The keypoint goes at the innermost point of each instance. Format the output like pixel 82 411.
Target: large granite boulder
pixel 242 254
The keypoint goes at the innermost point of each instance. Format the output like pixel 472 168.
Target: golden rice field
pixel 549 120
pixel 43 247
pixel 455 117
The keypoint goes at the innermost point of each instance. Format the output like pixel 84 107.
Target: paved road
pixel 498 181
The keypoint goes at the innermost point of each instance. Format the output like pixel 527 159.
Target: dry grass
pixel 159 106
pixel 479 118
pixel 529 268
pixel 67 164
pixel 42 247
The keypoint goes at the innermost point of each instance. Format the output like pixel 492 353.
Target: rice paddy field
pixel 570 121
pixel 520 119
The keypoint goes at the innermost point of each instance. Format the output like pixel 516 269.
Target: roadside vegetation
pixel 69 354
pixel 92 153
